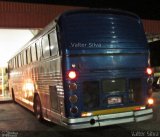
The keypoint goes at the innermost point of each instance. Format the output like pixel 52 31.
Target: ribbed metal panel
pixel 27 15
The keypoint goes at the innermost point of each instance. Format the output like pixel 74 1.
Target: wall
pixel 29 15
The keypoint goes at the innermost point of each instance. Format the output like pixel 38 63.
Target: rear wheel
pixel 13 96
pixel 38 108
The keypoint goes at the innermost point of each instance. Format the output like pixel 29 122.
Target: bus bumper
pixel 108 119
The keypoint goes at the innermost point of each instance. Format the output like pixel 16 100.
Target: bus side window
pixel 17 65
pixel 28 55
pixel 39 50
pixel 15 60
pixel 19 60
pixel 10 64
pixel 25 56
pixel 33 53
pixel 45 46
pixel 14 63
pixel 53 43
pixel 22 60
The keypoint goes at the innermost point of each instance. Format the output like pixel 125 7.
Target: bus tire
pixel 38 108
pixel 13 97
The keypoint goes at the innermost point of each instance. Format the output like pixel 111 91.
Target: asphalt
pixel 16 121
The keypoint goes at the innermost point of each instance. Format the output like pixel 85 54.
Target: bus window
pixel 10 65
pixel 39 50
pixel 53 43
pixel 45 46
pixel 33 52
pixel 17 65
pixel 28 55
pixel 25 57
pixel 14 63
pixel 22 61
pixel 19 60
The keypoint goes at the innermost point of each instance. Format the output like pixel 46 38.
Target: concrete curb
pixel 6 101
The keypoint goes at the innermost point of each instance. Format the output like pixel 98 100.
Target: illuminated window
pixel 33 52
pixel 45 46
pixel 25 57
pixel 53 43
pixel 39 50
pixel 19 60
pixel 28 55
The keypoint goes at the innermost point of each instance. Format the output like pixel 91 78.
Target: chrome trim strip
pixel 79 120
pixel 81 126
pixel 143 112
pixel 142 118
pixel 116 115
pixel 108 119
pixel 116 121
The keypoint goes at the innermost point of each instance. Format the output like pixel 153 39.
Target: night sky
pixel 146 9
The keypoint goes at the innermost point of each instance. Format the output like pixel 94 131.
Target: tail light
pixel 73 99
pixel 72 75
pixel 74 110
pixel 140 108
pixel 149 71
pixel 73 86
pixel 150 101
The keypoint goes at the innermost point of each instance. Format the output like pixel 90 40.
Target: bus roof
pixel 99 11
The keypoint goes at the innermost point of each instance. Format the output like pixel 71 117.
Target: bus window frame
pixel 56 46
pixel 19 60
pixel 22 59
pixel 33 52
pixel 29 58
pixel 17 63
pixel 45 39
pixel 25 57
pixel 39 49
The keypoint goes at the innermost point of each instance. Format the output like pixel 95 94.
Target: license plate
pixel 114 100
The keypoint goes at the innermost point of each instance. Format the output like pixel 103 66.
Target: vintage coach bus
pixel 87 68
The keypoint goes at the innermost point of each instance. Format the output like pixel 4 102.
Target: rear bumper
pixel 108 119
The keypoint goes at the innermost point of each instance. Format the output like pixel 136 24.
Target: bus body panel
pixel 104 48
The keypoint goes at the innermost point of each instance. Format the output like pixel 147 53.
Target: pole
pixel 2 83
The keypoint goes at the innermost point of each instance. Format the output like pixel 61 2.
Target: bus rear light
pixel 74 110
pixel 73 99
pixel 140 108
pixel 149 71
pixel 72 74
pixel 150 101
pixel 86 114
pixel 72 86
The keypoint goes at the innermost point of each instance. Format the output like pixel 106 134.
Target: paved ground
pixel 16 121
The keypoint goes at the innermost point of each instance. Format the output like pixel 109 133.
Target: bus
pixel 87 68
pixel 154 48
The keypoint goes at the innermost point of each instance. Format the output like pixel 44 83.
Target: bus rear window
pixel 112 85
